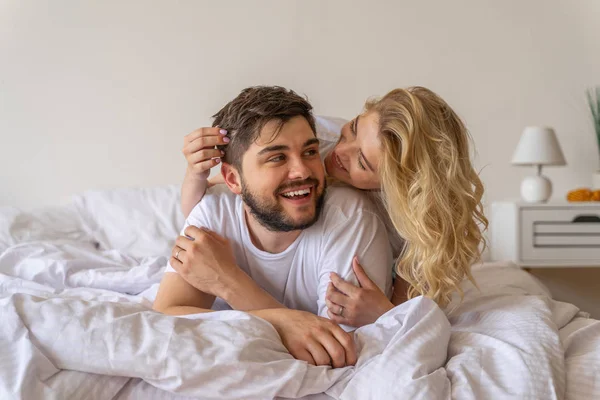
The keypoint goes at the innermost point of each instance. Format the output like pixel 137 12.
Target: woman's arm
pixel 400 294
pixel 192 191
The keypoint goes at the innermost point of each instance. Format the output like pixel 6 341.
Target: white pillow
pixel 136 221
pixel 48 224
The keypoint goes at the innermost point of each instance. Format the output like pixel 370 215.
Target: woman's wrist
pixel 387 306
pixel 192 176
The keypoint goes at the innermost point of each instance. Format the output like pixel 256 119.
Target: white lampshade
pixel 538 146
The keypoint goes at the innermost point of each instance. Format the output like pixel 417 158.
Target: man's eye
pixel 276 159
pixel 311 152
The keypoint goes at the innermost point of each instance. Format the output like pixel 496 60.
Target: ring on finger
pixel 341 312
pixel 177 254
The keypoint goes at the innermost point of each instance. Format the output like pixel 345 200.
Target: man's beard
pixel 272 215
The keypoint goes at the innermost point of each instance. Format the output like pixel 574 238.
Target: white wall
pixel 100 94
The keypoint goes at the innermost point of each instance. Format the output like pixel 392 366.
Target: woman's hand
pixel 201 155
pixel 200 152
pixel 206 261
pixel 311 338
pixel 355 306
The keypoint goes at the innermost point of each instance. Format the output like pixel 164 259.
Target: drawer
pixel 561 234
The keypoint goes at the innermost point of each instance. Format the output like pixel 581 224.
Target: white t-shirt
pixel 298 277
pixel 328 132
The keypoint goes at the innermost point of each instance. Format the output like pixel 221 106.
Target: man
pixel 267 242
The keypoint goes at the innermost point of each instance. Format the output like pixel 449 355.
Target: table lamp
pixel 538 146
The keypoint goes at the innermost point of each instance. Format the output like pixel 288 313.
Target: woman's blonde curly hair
pixel 430 190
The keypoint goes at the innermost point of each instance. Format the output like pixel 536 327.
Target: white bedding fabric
pixel 76 284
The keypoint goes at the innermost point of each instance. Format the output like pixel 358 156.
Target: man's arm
pixel 313 339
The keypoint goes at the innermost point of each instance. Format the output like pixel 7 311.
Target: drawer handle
pixel 587 218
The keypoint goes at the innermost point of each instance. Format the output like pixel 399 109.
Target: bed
pixel 77 282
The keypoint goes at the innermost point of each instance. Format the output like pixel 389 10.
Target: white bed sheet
pixel 65 296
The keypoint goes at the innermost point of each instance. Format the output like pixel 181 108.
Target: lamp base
pixel 536 189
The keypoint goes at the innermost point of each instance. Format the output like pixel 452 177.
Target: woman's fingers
pixel 214 235
pixel 336 297
pixel 199 149
pixel 331 306
pixel 204 155
pixel 204 142
pixel 183 242
pixel 345 287
pixel 175 263
pixel 363 279
pixel 204 166
pixel 178 253
pixel 336 318
pixel 201 132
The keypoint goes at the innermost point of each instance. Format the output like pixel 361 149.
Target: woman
pixel 410 150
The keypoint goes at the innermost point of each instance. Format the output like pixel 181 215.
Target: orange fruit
pixel 581 194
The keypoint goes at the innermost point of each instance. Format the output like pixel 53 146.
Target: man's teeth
pixel 296 193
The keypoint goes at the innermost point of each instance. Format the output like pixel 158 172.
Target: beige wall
pixel 99 94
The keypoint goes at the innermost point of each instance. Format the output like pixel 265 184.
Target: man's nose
pixel 299 169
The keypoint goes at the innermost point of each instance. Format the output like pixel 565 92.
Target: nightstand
pixel 546 235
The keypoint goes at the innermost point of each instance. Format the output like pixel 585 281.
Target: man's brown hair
pixel 246 115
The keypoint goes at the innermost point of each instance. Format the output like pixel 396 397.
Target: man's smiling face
pixel 282 177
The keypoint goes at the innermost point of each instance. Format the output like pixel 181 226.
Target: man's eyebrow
pixel 310 142
pixel 282 147
pixel 278 147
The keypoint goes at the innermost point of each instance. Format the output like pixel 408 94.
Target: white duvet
pixel 76 284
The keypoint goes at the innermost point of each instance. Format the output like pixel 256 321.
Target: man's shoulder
pixel 343 203
pixel 348 197
pixel 216 200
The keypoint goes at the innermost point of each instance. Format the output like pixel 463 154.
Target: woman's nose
pixel 343 150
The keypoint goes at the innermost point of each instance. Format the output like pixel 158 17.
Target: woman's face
pixel 355 158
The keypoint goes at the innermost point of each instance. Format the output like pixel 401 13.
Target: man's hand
pixel 311 338
pixel 206 261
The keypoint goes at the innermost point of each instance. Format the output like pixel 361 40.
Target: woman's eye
pixel 353 126
pixel 360 164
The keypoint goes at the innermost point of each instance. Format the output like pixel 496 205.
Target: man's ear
pixel 232 178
